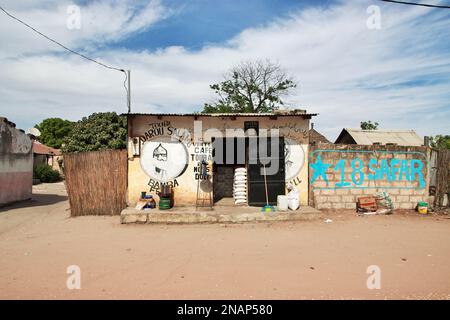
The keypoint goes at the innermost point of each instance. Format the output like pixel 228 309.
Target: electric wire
pixel 68 49
pixel 418 4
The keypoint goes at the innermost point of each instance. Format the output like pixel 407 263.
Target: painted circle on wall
pixel 164 159
pixel 294 158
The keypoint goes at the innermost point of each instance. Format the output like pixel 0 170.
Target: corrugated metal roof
pixel 399 137
pixel 316 137
pixel 40 148
pixel 224 114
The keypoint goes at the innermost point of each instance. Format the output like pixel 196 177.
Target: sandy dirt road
pixel 287 260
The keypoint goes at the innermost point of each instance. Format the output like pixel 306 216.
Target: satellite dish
pixel 33 131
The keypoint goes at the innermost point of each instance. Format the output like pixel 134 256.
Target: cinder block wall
pixel 380 165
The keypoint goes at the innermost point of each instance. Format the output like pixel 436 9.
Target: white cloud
pixel 100 23
pixel 346 72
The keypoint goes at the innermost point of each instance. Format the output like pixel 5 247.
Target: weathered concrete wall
pixel 341 173
pixel 53 162
pixel 16 164
pixel 153 130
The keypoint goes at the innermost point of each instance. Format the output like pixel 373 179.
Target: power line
pixel 66 48
pixel 418 4
pixel 58 43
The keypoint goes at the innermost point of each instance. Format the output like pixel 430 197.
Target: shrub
pixel 45 173
pixel 99 131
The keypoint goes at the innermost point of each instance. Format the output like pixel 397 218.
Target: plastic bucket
pixel 282 203
pixel 422 207
pixel 164 204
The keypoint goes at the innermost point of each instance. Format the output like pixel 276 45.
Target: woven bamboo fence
pixel 442 177
pixel 96 182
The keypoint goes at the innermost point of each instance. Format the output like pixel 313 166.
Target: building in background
pixel 315 137
pixel 16 163
pixel 43 154
pixel 382 137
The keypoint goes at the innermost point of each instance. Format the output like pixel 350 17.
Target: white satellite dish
pixel 33 131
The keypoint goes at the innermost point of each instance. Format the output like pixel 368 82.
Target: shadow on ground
pixel 36 200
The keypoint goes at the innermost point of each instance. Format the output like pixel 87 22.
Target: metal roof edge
pixel 219 114
pixel 381 130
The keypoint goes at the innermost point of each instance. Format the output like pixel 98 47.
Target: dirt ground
pixel 283 260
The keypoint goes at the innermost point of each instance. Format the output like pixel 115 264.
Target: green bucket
pixel 164 204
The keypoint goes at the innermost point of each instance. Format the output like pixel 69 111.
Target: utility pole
pixel 129 91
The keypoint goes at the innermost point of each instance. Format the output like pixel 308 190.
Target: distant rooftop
pixel 295 112
pixel 40 148
pixel 316 137
pixel 370 137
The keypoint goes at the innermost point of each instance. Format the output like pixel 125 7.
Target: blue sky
pixel 397 75
pixel 196 23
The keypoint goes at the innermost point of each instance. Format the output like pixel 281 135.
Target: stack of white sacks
pixel 240 186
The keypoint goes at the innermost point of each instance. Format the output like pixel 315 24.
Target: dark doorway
pixel 228 153
pixel 275 182
pixel 223 182
pixel 245 153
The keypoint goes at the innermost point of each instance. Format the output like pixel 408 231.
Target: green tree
pixel 252 86
pixel 97 132
pixel 369 125
pixel 440 141
pixel 53 131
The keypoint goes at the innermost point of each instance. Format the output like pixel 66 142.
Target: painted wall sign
pixel 165 128
pixel 199 174
pixel 164 159
pixel 202 151
pixel 156 185
pixel 292 130
pixel 294 158
pixel 384 171
pixel 156 129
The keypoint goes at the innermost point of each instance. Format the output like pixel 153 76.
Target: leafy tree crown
pixel 53 131
pixel 440 141
pixel 252 86
pixel 369 125
pixel 97 132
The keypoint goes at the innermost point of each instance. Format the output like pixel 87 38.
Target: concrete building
pixel 16 163
pixel 169 149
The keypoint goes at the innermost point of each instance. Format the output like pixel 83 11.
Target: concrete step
pixel 180 215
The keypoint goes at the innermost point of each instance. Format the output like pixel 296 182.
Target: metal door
pixel 255 174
